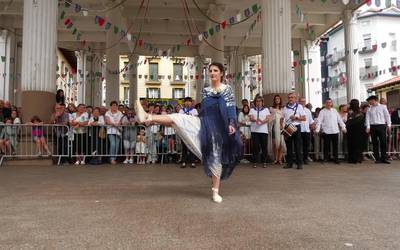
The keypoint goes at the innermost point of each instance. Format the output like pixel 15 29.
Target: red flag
pixel 188 42
pixel 223 24
pixel 140 42
pixel 101 21
pixel 66 22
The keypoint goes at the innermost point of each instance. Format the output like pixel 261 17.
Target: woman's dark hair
pixel 248 109
pixel 113 102
pixel 35 118
pixel 96 108
pixel 60 99
pixel 341 106
pixel 355 106
pixel 221 68
pixel 274 104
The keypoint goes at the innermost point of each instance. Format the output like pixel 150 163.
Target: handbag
pixel 102 133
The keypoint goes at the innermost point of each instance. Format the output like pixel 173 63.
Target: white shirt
pixel 261 115
pixel 192 111
pixel 290 110
pixel 377 115
pixel 114 118
pixel 100 121
pixel 84 117
pixel 328 120
pixel 305 125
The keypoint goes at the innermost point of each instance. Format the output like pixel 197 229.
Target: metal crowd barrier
pixel 89 144
pixel 33 140
pixel 131 143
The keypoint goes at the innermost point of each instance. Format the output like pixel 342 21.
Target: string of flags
pixel 102 22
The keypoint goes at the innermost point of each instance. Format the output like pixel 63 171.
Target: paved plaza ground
pixel 165 207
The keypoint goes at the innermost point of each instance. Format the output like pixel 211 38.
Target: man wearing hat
pixel 378 124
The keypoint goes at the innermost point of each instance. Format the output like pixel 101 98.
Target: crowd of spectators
pixel 101 135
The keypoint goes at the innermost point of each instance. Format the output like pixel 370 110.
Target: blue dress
pixel 207 136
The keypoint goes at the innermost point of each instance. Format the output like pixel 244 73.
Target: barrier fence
pixel 130 144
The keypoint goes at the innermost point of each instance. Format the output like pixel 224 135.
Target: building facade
pixel 378 52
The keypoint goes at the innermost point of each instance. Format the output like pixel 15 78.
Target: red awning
pixel 388 83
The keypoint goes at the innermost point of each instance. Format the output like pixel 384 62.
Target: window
pixel 368 62
pixel 178 93
pixel 153 93
pixel 393 65
pixel 393 41
pixel 178 72
pixel 153 72
pixel 367 40
pixel 126 70
pixel 126 93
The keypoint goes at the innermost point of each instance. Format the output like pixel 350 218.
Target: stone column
pixel 245 68
pixel 98 84
pixel 276 45
pixel 80 75
pixel 352 66
pixel 112 57
pixel 133 82
pixel 198 82
pixel 8 67
pixel 298 45
pixel 39 58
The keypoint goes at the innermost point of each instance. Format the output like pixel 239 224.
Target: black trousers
pixel 294 146
pixel 378 132
pixel 331 139
pixel 306 138
pixel 187 155
pixel 259 141
pixel 61 147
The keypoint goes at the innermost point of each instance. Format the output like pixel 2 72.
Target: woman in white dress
pixel 213 135
pixel 278 142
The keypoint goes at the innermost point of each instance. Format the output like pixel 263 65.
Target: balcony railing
pixel 368 72
pixel 368 48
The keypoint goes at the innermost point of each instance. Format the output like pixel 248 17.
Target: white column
pixel 299 71
pixel 198 81
pixel 352 66
pixel 246 82
pixel 80 75
pixel 112 57
pixel 39 45
pixel 97 93
pixel 133 82
pixel 39 57
pixel 276 44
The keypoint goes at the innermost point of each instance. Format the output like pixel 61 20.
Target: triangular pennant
pixel 78 8
pixel 68 21
pixel 384 45
pixel 108 25
pixel 62 15
pixel 116 29
pixel 232 20
pixel 247 13
pixel 223 24
pixel 217 28
pixel 355 51
pixel 211 31
pixel 254 8
pixel 74 31
pixel 205 34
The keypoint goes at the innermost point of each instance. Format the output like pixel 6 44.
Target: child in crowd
pixel 129 135
pixel 141 147
pixel 38 136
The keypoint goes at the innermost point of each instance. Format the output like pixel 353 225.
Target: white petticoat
pixel 188 128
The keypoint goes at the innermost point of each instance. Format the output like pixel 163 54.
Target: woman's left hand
pixel 232 130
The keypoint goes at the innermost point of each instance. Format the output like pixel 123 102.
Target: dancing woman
pixel 213 136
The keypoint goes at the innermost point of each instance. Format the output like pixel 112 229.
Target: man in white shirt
pixel 305 130
pixel 259 117
pixel 187 156
pixel 378 124
pixel 293 113
pixel 329 121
